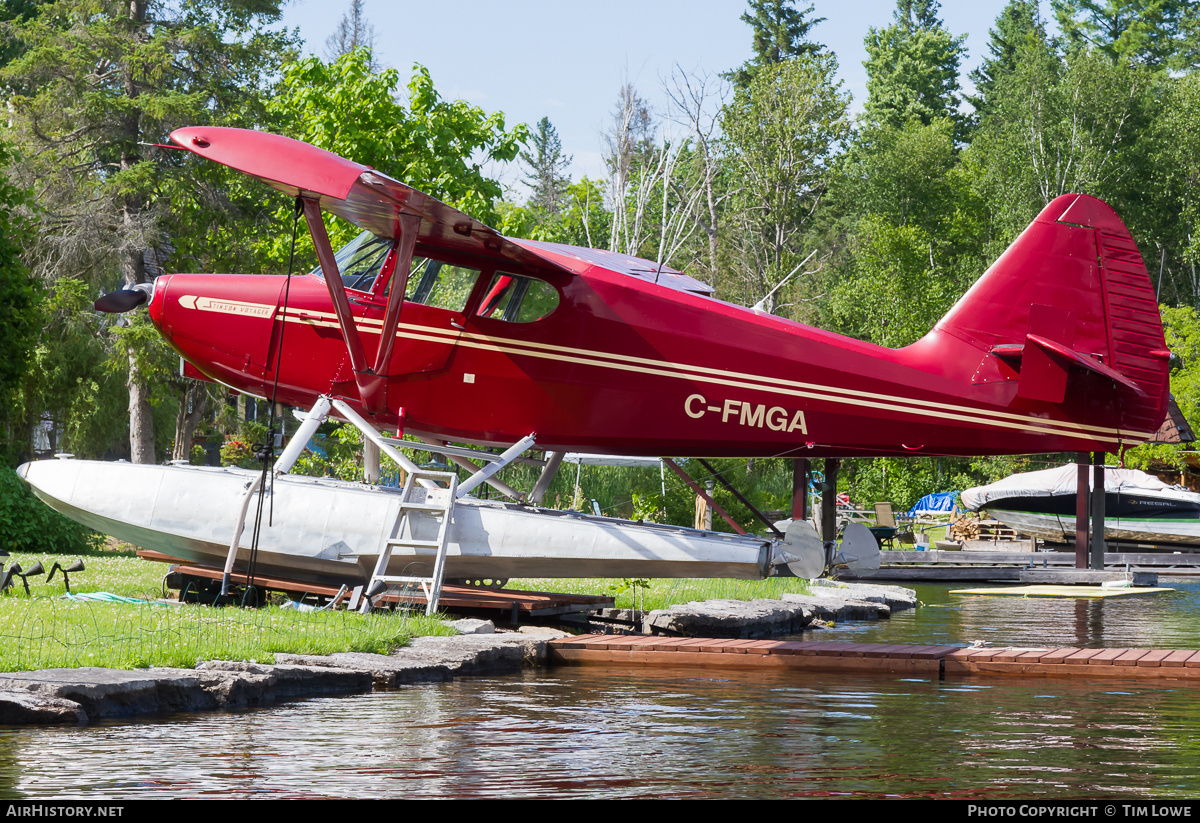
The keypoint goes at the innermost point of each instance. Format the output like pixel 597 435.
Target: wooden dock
pixel 503 605
pixel 924 661
pixel 1025 566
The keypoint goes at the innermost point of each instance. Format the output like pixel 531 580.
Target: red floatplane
pixel 433 323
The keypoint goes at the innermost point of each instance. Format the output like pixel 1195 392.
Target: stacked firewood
pixel 964 526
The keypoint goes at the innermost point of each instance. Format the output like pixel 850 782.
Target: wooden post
pixel 799 488
pixel 1082 507
pixel 1097 546
pixel 706 523
pixel 829 501
pixel 370 462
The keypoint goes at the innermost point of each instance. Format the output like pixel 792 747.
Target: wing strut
pixel 371 381
pixel 409 224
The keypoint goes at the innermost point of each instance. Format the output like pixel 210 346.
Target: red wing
pixel 352 191
pixel 374 201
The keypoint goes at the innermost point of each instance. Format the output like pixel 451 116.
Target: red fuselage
pixel 621 365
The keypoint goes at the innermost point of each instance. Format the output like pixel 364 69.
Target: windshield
pixel 360 260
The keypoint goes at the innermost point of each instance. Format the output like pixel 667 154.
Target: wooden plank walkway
pixel 931 661
pixel 509 603
pixel 748 654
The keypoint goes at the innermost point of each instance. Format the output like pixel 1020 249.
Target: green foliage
pixel 1181 327
pixel 582 219
pixel 1058 125
pixel 912 67
pixel 1018 21
pixel 546 163
pixel 903 481
pixel 29 525
pixel 903 173
pixel 892 297
pixel 1146 31
pixel 1175 160
pixel 238 452
pixel 92 87
pixel 431 144
pixel 645 508
pixel 780 32
pixel 238 448
pixel 95 82
pixel 68 383
pixel 781 135
pixel 19 297
pixel 1153 457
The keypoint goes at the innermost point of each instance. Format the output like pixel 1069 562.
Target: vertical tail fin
pixel 1071 294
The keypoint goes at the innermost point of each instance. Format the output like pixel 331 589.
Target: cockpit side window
pixel 517 299
pixel 361 260
pixel 440 285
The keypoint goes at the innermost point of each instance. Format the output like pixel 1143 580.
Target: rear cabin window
pixel 517 299
pixel 361 260
pixel 440 285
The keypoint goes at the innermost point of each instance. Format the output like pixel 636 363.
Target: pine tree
pixel 1019 20
pixel 912 67
pixel 1135 31
pixel 547 166
pixel 780 33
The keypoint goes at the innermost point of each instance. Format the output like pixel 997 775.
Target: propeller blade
pixel 118 302
pixel 803 551
pixel 860 549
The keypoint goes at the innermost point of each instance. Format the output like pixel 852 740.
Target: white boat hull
pixel 1057 529
pixel 328 531
pixel 1138 507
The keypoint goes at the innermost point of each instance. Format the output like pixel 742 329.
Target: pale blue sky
pixel 566 60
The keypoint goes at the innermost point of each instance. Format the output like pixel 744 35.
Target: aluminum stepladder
pixel 416 476
pixel 416 499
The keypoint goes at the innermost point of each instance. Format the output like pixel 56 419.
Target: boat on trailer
pixel 1138 507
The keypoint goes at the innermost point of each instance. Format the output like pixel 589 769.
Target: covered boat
pixel 1138 507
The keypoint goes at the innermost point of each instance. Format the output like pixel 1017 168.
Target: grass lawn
pixel 660 593
pixel 45 631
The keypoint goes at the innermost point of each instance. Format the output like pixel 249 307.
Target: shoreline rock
pixel 829 602
pixel 82 696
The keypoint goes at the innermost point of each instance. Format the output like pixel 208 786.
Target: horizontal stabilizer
pixel 1045 364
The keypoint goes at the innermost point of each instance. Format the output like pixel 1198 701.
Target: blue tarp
pixel 937 502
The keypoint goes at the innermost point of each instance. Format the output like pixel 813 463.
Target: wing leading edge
pixel 376 202
pixel 352 191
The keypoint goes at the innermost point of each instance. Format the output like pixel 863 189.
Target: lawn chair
pixel 885 529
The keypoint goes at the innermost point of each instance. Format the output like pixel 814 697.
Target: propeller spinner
pixel 123 300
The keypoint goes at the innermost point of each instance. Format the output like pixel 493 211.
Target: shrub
pixel 29 525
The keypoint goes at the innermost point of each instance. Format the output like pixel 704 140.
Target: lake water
pixel 688 733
